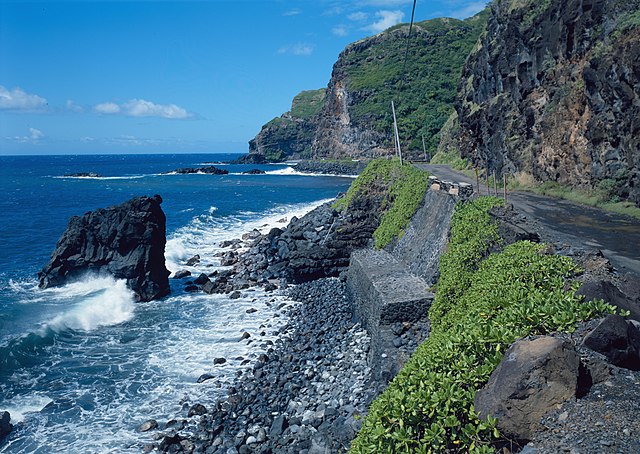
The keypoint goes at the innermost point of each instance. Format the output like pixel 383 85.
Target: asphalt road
pixel 617 236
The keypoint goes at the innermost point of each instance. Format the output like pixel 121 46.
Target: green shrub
pixel 481 308
pixel 405 186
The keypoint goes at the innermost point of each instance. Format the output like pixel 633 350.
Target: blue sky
pixel 172 76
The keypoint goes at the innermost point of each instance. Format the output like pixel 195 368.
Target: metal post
pixel 395 127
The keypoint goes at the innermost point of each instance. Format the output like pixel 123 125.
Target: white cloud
pixel 73 107
pixel 297 49
pixel 468 10
pixel 35 134
pixel 18 100
pixel 142 108
pixel 358 16
pixel 340 30
pixel 386 19
pixel 107 108
pixel 292 12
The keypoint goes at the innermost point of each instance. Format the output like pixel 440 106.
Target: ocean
pixel 82 366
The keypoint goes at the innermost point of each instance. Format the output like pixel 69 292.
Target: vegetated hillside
pixel 291 133
pixel 356 119
pixel 552 90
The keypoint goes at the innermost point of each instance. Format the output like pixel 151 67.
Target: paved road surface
pixel 617 236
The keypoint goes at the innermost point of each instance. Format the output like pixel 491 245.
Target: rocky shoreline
pixel 305 395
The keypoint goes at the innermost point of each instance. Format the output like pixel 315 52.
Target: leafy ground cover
pixel 484 302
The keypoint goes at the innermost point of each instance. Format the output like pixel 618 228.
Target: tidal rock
pixel 235 295
pixel 193 260
pixel 219 360
pixel 182 274
pixel 126 241
pixel 83 175
pixel 212 170
pixel 254 172
pixel 618 340
pixel 533 378
pixel 191 288
pixel 197 409
pixel 148 425
pixel 201 280
pixel 5 425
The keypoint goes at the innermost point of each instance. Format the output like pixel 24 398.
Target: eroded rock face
pixel 126 241
pixel 552 89
pixel 533 378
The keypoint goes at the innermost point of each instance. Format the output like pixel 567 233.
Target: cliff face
pixel 292 133
pixel 552 89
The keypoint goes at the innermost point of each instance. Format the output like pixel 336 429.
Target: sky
pixel 96 77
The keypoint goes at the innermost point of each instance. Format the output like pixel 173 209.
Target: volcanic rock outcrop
pixel 126 241
pixel 551 90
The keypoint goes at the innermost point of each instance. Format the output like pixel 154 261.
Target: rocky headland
pixel 126 241
pixel 328 167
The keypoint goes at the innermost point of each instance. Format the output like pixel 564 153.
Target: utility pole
pixel 424 149
pixel 395 128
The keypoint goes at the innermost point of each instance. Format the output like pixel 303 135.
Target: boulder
pixel 197 409
pixel 193 260
pixel 534 377
pixel 254 172
pixel 618 340
pixel 148 425
pixel 182 274
pixel 126 241
pixel 202 279
pixel 5 425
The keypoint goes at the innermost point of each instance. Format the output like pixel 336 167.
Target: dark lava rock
pixel 331 167
pixel 191 288
pixel 168 441
pixel 205 377
pixel 245 335
pixel 278 426
pixel 219 360
pixel 212 170
pixel 83 175
pixel 618 340
pixel 251 310
pixel 182 274
pixel 197 409
pixel 235 295
pixel 534 377
pixel 254 172
pixel 201 280
pixel 5 425
pixel 148 425
pixel 208 287
pixel 126 241
pixel 269 287
pixel 193 260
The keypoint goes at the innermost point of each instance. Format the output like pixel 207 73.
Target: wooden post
pixel 477 181
pixel 495 184
pixel 424 149
pixel 504 183
pixel 486 174
pixel 395 127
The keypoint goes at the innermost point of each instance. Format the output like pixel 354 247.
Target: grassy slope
pixel 438 51
pixel 404 186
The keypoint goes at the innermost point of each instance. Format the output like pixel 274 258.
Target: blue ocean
pixel 82 366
